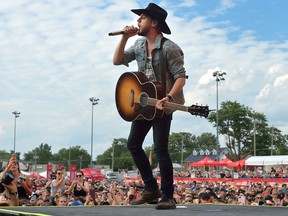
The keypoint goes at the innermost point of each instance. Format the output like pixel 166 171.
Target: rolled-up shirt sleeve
pixel 129 55
pixel 176 61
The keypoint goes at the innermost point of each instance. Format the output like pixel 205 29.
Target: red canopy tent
pixel 238 164
pixel 225 161
pixel 206 162
pixel 35 175
pixel 92 173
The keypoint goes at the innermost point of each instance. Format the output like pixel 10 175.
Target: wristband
pixel 170 98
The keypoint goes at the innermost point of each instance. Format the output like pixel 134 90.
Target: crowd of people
pixel 277 172
pixel 59 190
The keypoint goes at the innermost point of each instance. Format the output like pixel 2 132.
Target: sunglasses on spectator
pixel 59 173
pixel 78 175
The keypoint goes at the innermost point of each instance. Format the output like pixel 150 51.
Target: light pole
pixel 16 114
pixel 254 135
pixel 272 139
pixel 35 157
pixel 219 75
pixel 94 102
pixel 112 155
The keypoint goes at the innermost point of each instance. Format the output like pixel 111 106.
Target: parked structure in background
pixel 199 154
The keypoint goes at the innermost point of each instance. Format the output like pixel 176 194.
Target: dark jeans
pixel 161 130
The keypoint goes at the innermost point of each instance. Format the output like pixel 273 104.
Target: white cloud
pixel 280 81
pixel 275 69
pixel 224 6
pixel 264 92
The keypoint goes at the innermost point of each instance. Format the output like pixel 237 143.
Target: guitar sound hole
pixel 131 98
pixel 143 99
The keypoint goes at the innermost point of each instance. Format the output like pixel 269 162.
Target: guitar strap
pixel 163 68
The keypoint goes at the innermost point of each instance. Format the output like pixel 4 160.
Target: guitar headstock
pixel 197 110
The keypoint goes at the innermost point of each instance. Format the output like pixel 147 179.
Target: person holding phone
pixel 22 182
pixel 12 191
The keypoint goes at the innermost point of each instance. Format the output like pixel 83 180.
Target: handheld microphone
pixel 116 33
pixel 121 32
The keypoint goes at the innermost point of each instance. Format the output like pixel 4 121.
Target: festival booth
pixel 237 164
pixel 225 162
pixel 268 161
pixel 206 162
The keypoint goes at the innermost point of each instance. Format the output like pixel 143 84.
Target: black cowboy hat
pixel 157 13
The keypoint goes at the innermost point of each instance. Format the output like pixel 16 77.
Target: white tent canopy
pixel 176 166
pixel 44 174
pixel 267 160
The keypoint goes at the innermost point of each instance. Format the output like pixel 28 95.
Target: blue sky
pixel 57 54
pixel 263 18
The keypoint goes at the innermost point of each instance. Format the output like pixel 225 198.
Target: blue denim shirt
pixel 173 61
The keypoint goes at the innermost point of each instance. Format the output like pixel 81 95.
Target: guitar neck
pixel 168 105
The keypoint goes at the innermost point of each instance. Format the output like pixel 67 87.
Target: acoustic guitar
pixel 136 98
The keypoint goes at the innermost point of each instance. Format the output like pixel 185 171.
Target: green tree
pixel 247 131
pixel 206 140
pixel 40 155
pixel 117 152
pixel 73 155
pixel 182 144
pixel 278 142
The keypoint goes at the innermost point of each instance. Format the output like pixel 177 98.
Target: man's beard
pixel 143 31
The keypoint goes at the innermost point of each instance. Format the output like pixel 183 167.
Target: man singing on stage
pixel 161 60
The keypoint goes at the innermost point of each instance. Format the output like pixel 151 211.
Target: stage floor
pixel 144 210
